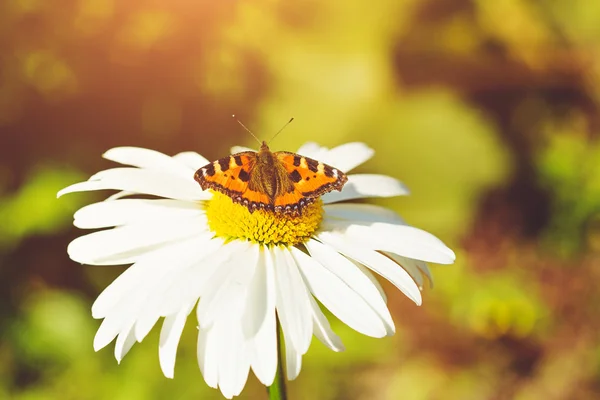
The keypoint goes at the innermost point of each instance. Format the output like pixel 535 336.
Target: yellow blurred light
pixel 96 8
pixel 26 6
pixel 460 35
pixel 502 315
pixel 147 28
pixel 221 74
pixel 517 23
pixel 47 73
pixel 92 14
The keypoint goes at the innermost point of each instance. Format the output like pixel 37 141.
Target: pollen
pixel 234 221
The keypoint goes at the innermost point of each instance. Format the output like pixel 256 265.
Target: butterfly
pixel 282 182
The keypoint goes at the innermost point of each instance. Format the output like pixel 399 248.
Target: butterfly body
pixel 281 181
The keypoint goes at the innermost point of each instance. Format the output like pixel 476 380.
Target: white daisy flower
pixel 191 248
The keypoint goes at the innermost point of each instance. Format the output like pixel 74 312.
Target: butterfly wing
pixel 231 176
pixel 310 179
pixel 288 185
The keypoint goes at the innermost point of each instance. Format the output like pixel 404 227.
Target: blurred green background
pixel 487 110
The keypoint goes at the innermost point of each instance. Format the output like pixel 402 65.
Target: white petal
pixel 123 245
pixel 338 297
pixel 208 356
pixel 261 295
pixel 119 195
pixel 313 150
pixel 193 281
pixel 323 330
pixel 240 149
pixel 173 291
pixel 348 156
pixel 234 363
pixel 293 304
pixel 372 278
pixel 403 240
pixel 125 342
pixel 376 262
pixel 127 211
pixel 180 286
pixel 228 287
pixel 263 347
pixel 144 324
pixel 191 160
pixel 84 187
pixel 293 359
pixel 223 355
pixel 122 302
pixel 416 268
pixel 149 270
pixel 353 277
pixel 367 185
pixel 361 213
pixel 146 158
pixel 152 182
pixel 169 340
pixel 106 333
pixel 215 292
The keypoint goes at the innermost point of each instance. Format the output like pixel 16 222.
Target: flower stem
pixel 277 389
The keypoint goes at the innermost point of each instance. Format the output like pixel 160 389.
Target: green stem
pixel 277 389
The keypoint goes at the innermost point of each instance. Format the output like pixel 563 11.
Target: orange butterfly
pixel 282 181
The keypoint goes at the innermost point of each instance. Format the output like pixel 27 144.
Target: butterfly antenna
pixel 247 130
pixel 282 128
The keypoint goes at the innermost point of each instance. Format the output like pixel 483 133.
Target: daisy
pixel 244 273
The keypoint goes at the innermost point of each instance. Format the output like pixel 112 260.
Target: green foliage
pixel 33 209
pixel 570 170
pixel 494 304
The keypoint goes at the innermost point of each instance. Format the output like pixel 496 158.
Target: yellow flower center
pixel 234 221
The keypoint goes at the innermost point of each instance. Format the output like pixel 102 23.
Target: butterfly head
pixel 265 156
pixel 264 147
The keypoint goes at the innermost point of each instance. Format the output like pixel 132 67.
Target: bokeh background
pixel 487 110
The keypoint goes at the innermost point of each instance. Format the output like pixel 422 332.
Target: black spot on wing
pixel 328 171
pixel 224 164
pixel 209 170
pixel 295 176
pixel 313 165
pixel 297 161
pixel 244 176
pixel 238 161
pixel 328 187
